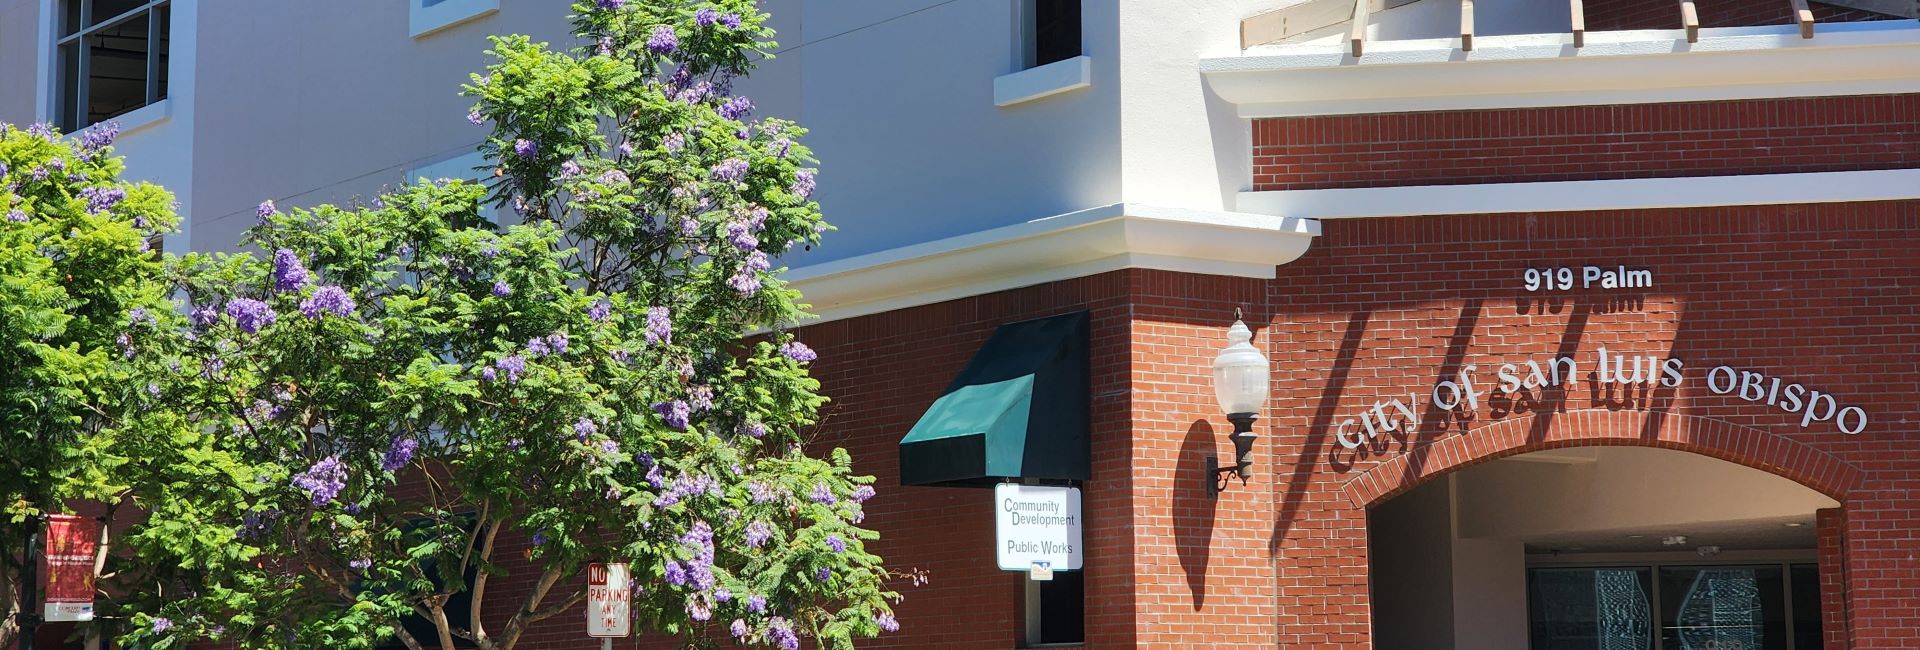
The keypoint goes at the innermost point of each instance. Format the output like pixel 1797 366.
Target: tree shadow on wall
pixel 1194 507
pixel 1316 439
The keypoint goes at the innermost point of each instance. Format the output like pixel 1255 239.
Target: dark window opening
pixel 457 608
pixel 112 59
pixel 1750 607
pixel 1055 31
pixel 1057 610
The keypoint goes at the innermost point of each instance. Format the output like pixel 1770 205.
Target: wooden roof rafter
pixel 1304 17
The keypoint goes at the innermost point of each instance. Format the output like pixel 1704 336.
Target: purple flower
pixel 779 632
pixel 761 493
pixel 706 17
pixel 288 273
pixel 265 210
pixel 204 316
pixel 675 413
pixel 100 136
pixel 757 261
pixel 614 177
pixel 739 627
pixel 745 281
pixel 757 604
pixel 525 148
pixel 838 545
pixel 488 374
pixel 250 314
pixel 557 341
pixel 328 299
pixel 353 508
pixel 513 366
pixel 780 148
pixel 611 5
pixel 42 129
pixel 361 564
pixel 674 142
pixel 604 46
pixel 823 574
pixel 584 427
pixel 537 346
pixel 736 108
pixel 502 289
pixel 659 326
pixel 399 454
pixel 798 351
pixel 730 21
pixel 610 447
pixel 802 183
pixel 514 444
pixel 600 310
pixel 740 234
pixel 886 622
pixel 758 533
pixel 862 493
pixel 822 495
pixel 663 41
pixel 700 398
pixel 323 481
pixel 698 608
pixel 569 169
pixel 751 429
pixel 730 170
pixel 101 199
pixel 161 625
pixel 676 574
pixel 17 216
pixel 539 538
pixel 473 117
pixel 625 148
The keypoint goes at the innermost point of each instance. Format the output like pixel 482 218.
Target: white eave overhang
pixel 1617 67
pixel 1077 244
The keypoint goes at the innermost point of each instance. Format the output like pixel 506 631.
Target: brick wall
pixel 1379 308
pixel 1665 14
pixel 1588 142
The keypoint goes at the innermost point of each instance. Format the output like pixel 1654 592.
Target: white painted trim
pixel 1078 244
pixel 1042 81
pixel 423 20
pixel 43 68
pixel 1568 196
pixel 1619 67
pixel 141 118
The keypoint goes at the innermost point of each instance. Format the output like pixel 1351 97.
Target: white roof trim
pixel 1566 196
pixel 1619 67
pixel 1077 244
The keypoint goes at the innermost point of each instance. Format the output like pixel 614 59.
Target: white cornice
pixel 1568 196
pixel 1077 244
pixel 1619 67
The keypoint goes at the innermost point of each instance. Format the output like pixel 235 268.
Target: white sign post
pixel 1037 528
pixel 609 602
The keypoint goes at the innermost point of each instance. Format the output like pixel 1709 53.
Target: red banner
pixel 69 557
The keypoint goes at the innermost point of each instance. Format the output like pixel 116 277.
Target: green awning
pixel 1018 410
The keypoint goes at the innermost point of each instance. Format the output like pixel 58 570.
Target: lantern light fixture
pixel 1241 384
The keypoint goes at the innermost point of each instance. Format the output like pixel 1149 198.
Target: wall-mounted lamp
pixel 1240 375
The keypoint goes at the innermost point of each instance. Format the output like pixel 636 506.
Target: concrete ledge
pixel 1042 81
pixel 1078 244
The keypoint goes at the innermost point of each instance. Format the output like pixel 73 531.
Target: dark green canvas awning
pixel 1018 410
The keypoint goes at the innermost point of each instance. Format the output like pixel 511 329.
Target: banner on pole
pixel 609 600
pixel 69 556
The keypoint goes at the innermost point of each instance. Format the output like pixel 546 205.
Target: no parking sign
pixel 609 600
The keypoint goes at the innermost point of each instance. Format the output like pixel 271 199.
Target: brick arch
pixel 1755 448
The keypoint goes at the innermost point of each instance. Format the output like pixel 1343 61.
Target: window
pixel 1053 31
pixel 428 16
pixel 1056 609
pixel 1678 607
pixel 111 59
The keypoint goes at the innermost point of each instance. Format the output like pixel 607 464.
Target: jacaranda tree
pixel 82 297
pixel 410 406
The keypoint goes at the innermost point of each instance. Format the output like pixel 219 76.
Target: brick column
pixel 1830 524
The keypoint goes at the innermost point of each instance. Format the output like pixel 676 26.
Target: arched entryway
pixel 1610 530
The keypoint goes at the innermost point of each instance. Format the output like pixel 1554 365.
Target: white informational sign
pixel 609 601
pixel 1035 525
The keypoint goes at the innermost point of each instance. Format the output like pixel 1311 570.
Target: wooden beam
pixel 1466 25
pixel 1357 33
pixel 1690 18
pixel 1804 16
pixel 1301 18
pixel 1579 24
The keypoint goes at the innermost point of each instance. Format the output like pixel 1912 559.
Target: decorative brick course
pixel 1588 142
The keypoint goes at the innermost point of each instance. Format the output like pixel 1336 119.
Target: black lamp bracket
pixel 1242 437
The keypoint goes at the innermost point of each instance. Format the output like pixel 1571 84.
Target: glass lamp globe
pixel 1240 373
